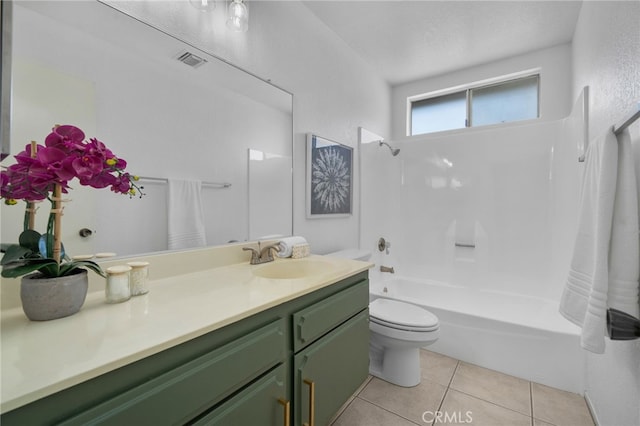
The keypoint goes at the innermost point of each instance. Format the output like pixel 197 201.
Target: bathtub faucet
pixel 387 269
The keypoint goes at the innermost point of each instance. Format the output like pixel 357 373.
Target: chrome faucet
pixel 387 269
pixel 263 255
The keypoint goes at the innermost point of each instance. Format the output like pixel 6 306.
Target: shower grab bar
pixel 468 245
pixel 166 180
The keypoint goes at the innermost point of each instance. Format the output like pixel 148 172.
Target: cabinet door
pixel 330 370
pixel 188 390
pixel 262 403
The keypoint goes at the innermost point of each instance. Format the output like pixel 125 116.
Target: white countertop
pixel 41 358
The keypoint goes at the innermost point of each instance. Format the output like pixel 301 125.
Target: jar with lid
pixel 118 287
pixel 139 277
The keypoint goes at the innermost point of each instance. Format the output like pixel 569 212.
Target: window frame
pixel 468 90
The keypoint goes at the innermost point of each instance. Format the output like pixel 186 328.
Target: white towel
pixel 185 215
pixel 286 245
pixel 624 247
pixel 604 268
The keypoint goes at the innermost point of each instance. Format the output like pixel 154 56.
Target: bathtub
pixel 518 335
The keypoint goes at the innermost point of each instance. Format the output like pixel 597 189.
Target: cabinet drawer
pixel 263 403
pixel 319 318
pixel 186 391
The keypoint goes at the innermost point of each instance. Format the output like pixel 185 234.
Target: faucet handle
pixel 383 245
pixel 265 253
pixel 255 255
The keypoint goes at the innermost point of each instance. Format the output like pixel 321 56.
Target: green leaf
pixel 51 270
pixel 25 266
pixel 68 267
pixel 14 253
pixel 90 265
pixel 29 239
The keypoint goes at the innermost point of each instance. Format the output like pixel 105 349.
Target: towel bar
pixel 468 245
pixel 626 122
pixel 165 180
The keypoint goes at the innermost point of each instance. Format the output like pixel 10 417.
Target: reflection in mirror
pixel 167 119
pixel 268 171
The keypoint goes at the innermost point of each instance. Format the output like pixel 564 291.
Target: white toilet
pixel 398 331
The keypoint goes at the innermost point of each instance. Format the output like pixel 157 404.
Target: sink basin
pixel 291 269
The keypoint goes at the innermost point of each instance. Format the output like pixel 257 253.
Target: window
pixel 440 113
pixel 481 105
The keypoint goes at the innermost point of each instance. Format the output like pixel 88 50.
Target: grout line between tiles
pixel 455 370
pixel 531 400
pixel 492 403
pixel 446 391
pixel 386 409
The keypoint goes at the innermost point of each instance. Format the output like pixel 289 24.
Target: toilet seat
pixel 402 316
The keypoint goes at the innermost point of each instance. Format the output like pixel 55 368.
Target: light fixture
pixel 203 5
pixel 238 16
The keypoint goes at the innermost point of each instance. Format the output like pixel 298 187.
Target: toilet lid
pixel 396 314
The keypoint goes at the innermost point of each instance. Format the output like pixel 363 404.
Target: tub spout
pixel 387 269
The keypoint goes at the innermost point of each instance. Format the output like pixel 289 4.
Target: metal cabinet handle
pixel 286 405
pixel 312 397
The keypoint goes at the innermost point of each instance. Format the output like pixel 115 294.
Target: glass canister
pixel 118 288
pixel 139 278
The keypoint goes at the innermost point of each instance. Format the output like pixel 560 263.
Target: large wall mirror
pixel 120 80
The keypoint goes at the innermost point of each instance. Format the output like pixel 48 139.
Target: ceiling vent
pixel 191 59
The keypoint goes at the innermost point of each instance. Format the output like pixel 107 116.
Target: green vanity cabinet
pixel 262 403
pixel 316 320
pixel 194 386
pixel 330 370
pixel 251 372
pixel 331 346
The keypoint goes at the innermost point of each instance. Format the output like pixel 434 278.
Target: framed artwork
pixel 329 178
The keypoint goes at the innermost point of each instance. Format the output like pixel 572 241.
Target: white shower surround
pixel 511 191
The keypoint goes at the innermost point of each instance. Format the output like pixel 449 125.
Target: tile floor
pixel 463 394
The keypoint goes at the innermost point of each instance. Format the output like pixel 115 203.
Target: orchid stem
pixel 57 224
pixel 30 220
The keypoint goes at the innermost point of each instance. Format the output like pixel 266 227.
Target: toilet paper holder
pixel 622 326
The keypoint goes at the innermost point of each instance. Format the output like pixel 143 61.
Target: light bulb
pixel 238 16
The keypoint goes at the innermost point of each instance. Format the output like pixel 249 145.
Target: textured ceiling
pixel 408 40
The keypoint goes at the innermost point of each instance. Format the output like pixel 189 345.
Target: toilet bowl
pixel 398 331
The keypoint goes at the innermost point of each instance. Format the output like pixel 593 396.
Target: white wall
pixel 555 83
pixel 606 57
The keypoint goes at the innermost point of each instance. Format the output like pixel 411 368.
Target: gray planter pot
pixel 46 299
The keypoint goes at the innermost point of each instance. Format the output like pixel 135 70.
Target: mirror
pixel 5 78
pixel 167 118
